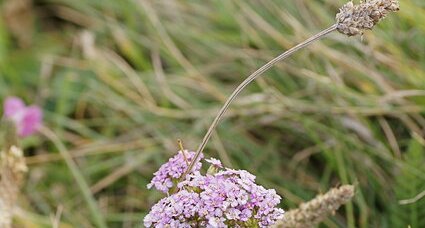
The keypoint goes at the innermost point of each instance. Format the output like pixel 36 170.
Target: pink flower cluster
pixel 226 198
pixel 26 119
pixel 171 171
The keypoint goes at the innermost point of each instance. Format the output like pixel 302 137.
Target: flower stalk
pixel 247 81
pixel 351 20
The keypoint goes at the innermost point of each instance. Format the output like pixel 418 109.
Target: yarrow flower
pixel 174 210
pixel 26 118
pixel 171 171
pixel 228 198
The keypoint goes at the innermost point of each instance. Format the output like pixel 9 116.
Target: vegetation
pixel 121 81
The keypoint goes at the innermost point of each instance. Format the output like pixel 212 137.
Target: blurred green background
pixel 121 81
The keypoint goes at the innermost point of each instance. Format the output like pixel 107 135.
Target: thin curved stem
pixel 246 82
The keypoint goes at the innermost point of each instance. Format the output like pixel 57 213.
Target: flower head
pixel 26 118
pixel 174 210
pixel 353 19
pixel 171 171
pixel 311 213
pixel 228 198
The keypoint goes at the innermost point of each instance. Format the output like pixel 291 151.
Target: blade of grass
pixel 78 176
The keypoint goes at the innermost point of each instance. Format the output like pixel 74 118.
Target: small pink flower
pixel 27 119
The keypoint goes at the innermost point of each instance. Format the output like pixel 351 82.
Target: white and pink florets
pixel 170 172
pixel 226 198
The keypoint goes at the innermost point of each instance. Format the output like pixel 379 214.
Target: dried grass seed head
pixel 354 19
pixel 313 212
